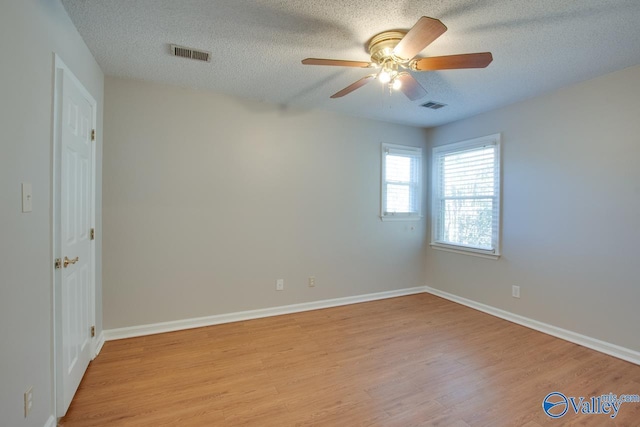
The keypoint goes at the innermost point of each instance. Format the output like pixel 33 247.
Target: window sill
pixel 400 218
pixel 464 251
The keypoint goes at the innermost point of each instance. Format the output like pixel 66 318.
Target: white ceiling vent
pixel 433 105
pixel 188 52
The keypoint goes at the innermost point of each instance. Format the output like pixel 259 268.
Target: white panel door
pixel 75 293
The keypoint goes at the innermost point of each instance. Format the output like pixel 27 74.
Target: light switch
pixel 27 203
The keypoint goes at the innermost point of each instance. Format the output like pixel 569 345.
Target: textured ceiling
pixel 257 46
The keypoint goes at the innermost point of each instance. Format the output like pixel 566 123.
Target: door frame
pixel 60 69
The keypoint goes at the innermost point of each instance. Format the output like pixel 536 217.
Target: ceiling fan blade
pixel 347 90
pixel 425 31
pixel 465 60
pixel 336 62
pixel 411 87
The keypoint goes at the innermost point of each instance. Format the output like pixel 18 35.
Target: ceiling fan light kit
pixel 394 54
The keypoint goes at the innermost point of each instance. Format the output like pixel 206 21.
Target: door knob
pixel 68 261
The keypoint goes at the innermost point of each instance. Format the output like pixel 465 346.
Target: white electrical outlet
pixel 312 282
pixel 280 285
pixel 515 291
pixel 28 401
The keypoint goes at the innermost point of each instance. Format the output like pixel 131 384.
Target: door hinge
pixel 92 234
pixel 57 263
pixel 93 331
pixel 93 134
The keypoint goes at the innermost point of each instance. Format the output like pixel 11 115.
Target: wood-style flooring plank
pixel 410 361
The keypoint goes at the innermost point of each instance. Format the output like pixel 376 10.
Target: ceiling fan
pixel 393 53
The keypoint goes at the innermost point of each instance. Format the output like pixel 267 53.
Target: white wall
pixel 209 199
pixel 30 32
pixel 571 210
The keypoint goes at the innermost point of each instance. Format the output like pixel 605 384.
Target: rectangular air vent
pixel 188 52
pixel 433 105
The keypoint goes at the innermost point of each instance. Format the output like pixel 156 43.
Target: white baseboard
pixel 99 343
pixel 177 325
pixel 583 340
pixel 51 422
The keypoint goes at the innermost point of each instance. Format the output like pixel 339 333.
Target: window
pixel 401 182
pixel 466 197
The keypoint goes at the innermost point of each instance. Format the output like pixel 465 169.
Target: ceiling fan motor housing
pixel 381 46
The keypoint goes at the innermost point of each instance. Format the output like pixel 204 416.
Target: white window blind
pixel 466 195
pixel 401 182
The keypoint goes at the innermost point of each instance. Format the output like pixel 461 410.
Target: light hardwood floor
pixel 408 361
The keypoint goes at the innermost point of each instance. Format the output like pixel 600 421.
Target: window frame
pixel 411 151
pixel 437 152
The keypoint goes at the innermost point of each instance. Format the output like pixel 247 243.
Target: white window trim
pixel 494 139
pixel 400 216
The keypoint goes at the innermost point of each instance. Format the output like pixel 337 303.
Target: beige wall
pixel 31 32
pixel 571 210
pixel 209 199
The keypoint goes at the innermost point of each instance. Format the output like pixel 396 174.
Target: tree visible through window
pixel 466 195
